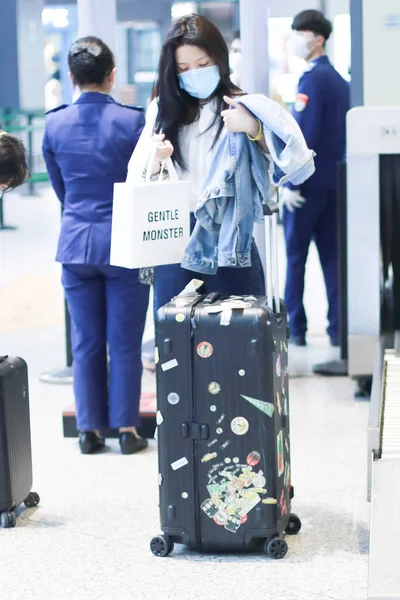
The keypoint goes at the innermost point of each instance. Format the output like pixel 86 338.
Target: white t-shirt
pixel 196 142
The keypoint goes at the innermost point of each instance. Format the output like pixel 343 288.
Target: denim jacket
pixel 238 185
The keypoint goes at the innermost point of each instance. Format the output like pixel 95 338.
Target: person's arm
pixel 239 120
pixel 141 153
pixel 308 108
pixel 53 169
pixel 256 134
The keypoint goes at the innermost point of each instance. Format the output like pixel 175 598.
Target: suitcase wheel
pixel 294 525
pixel 32 500
pixel 276 548
pixel 162 545
pixel 8 519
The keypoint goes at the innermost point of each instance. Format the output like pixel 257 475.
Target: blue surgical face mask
pixel 200 83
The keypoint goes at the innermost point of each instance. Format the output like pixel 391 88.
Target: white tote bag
pixel 150 221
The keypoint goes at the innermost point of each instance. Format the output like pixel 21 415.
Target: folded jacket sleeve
pixel 308 110
pixel 53 168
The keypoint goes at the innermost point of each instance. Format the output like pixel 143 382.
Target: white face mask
pixel 301 44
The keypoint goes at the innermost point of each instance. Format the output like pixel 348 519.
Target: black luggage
pixel 223 421
pixel 15 440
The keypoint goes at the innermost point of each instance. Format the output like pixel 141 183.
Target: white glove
pixel 292 199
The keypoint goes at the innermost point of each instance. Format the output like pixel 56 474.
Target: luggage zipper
pixel 196 495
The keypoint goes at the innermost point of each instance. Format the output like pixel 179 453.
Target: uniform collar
pixel 319 60
pixel 94 97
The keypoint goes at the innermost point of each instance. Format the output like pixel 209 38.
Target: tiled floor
pixel 89 538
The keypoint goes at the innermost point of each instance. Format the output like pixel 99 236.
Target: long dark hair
pixel 90 61
pixel 176 107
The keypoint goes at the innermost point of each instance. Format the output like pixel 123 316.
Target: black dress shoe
pixel 298 340
pixel 130 444
pixel 89 442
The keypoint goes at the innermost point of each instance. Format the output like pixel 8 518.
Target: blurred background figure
pixel 53 91
pixel 310 210
pixel 235 59
pixel 53 87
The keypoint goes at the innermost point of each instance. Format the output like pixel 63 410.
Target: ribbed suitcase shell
pixel 223 420
pixel 15 434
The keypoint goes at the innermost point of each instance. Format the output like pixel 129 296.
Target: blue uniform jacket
pixel 87 147
pixel 320 109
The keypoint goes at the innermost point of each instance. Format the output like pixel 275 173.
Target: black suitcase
pixel 15 440
pixel 223 422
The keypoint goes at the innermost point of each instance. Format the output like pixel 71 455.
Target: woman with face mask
pixel 191 107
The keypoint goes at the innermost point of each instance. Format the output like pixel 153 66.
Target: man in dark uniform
pixel 309 211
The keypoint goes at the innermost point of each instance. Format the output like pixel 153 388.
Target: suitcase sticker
pixel 265 407
pixel 234 491
pixel 279 448
pixel 205 349
pixel 209 508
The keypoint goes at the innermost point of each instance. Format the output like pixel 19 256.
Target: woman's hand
pixel 164 150
pixel 238 119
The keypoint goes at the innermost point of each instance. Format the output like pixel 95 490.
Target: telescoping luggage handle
pixel 271 244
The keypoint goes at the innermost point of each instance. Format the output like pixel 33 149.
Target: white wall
pixel 337 7
pixel 290 8
pixel 381 43
pixel 30 53
pixel 97 20
pixel 333 9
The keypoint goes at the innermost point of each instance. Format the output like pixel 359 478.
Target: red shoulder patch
pixel 301 102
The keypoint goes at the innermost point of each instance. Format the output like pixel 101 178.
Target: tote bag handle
pixel 166 164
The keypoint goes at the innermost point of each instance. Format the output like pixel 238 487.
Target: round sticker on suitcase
pixel 240 425
pixel 205 349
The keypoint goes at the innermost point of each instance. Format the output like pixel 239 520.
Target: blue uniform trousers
pixel 108 305
pixel 315 220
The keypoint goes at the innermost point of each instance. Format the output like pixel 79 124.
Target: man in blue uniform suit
pixel 310 210
pixel 87 147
